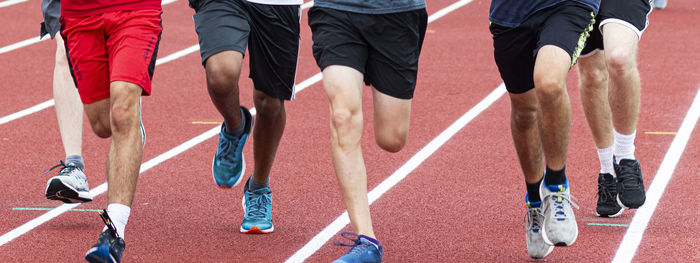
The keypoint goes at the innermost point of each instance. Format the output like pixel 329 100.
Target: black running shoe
pixel 607 197
pixel 109 247
pixel 630 185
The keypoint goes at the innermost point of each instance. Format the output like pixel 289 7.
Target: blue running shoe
pixel 257 206
pixel 109 247
pixel 228 165
pixel 362 250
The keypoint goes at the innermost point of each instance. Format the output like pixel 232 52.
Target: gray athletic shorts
pixel 271 33
pixel 51 9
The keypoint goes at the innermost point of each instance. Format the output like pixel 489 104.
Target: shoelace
pixel 258 205
pixel 533 222
pixel 108 222
pixel 604 190
pixel 228 146
pixel 64 168
pixel 357 246
pixel 627 174
pixel 558 203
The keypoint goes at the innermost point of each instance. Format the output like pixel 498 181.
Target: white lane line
pixel 26 227
pixel 10 2
pixel 640 221
pixel 163 60
pixel 341 221
pixel 27 111
pixel 34 40
pixel 22 44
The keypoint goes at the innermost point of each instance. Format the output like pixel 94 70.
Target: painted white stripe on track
pixel 11 2
pixel 341 221
pixel 34 40
pixel 640 221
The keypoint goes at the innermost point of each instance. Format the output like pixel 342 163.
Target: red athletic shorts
pixel 113 46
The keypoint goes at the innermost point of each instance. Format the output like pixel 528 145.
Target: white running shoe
pixel 69 186
pixel 559 227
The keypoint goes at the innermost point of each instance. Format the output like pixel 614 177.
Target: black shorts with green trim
pixel 565 25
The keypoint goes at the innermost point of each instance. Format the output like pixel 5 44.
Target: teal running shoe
pixel 257 206
pixel 228 165
pixel 362 250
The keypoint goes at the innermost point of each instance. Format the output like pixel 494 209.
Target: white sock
pixel 119 214
pixel 605 156
pixel 624 146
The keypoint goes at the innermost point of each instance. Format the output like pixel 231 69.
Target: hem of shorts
pixel 145 89
pixel 218 50
pixel 374 11
pixel 341 63
pixel 623 23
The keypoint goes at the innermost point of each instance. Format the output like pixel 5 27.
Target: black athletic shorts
pixel 271 33
pixel 565 25
pixel 633 14
pixel 51 9
pixel 384 47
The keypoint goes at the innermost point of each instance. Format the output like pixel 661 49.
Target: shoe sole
pixel 254 229
pixel 619 202
pixel 551 248
pixel 622 209
pixel 56 190
pixel 95 256
pixel 558 244
pixel 238 181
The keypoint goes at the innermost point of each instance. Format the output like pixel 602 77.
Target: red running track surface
pixel 462 204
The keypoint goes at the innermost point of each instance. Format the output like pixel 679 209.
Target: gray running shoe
pixel 559 227
pixel 536 246
pixel 69 186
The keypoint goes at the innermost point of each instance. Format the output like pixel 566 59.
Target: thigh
pixel 221 26
pixel 395 42
pixel 87 56
pixel 336 39
pixel 132 45
pixel 567 26
pixel 274 48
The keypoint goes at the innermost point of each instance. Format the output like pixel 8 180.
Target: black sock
pixel 533 191
pixel 552 177
pixel 237 132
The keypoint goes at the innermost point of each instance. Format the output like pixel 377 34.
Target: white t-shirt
pixel 278 2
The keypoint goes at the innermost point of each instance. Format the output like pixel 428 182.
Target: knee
pixel 268 107
pixel 101 128
pixel 221 77
pixel 523 117
pixel 593 78
pixel 620 61
pixel 393 140
pixel 549 88
pixel 346 127
pixel 123 112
